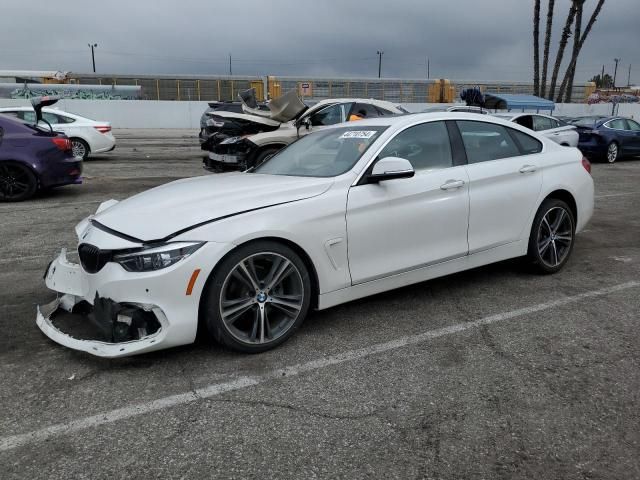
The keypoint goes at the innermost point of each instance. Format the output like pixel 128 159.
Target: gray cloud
pixel 464 39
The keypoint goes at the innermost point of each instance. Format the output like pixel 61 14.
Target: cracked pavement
pixel 551 394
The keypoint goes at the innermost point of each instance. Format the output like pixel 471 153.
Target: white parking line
pixel 29 207
pixel 15 441
pixel 26 257
pixel 616 195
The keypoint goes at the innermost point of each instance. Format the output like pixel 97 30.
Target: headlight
pixel 226 141
pixel 156 258
pixel 214 123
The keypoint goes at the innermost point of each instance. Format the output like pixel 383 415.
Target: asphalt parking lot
pixel 492 373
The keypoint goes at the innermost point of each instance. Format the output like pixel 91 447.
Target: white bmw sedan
pixel 340 214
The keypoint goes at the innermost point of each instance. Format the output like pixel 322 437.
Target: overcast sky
pixel 464 39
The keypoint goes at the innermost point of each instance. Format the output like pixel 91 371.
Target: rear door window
pixel 484 142
pixel 528 145
pixel 541 123
pixel 365 110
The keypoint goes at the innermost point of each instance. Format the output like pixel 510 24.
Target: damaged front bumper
pixel 115 313
pixel 120 327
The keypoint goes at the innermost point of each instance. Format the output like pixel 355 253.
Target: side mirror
pixel 390 168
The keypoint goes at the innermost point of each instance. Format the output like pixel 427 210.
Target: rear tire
pixel 613 152
pixel 257 297
pixel 80 148
pixel 552 236
pixel 17 182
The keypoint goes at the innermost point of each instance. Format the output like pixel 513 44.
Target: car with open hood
pixel 343 213
pixel 245 140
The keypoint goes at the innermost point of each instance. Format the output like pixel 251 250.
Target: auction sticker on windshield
pixel 359 134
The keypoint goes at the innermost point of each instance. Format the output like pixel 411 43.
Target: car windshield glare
pixel 327 153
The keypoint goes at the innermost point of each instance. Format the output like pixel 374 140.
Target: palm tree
pixel 547 43
pixel 577 31
pixel 567 82
pixel 536 47
pixel 566 33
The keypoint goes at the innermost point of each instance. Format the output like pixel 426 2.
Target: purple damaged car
pixel 34 157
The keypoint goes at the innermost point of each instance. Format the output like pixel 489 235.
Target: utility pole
pixel 602 85
pixel 615 72
pixel 629 77
pixel 230 71
pixel 93 57
pixel 380 53
pixel 428 72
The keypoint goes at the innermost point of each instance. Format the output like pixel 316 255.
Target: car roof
pixel 402 120
pixel 371 101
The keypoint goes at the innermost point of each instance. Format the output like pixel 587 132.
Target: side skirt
pixel 504 252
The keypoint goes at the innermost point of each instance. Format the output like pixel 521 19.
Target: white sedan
pixel 86 135
pixel 560 132
pixel 351 211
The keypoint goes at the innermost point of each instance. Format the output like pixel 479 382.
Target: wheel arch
pixel 26 164
pixel 566 197
pixel 305 257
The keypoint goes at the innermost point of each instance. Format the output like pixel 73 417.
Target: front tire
pixel 17 182
pixel 613 152
pixel 79 148
pixel 264 155
pixel 257 297
pixel 552 236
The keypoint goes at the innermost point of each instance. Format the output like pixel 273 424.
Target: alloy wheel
pixel 14 181
pixel 78 149
pixel 555 236
pixel 612 152
pixel 261 298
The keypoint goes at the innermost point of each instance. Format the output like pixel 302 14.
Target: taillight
pixel 103 129
pixel 63 144
pixel 586 164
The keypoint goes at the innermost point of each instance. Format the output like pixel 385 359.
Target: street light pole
pixel 93 56
pixel 380 53
pixel 615 72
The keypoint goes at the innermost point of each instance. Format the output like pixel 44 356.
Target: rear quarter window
pixel 526 143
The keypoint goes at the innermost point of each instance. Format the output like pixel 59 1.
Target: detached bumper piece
pixel 106 329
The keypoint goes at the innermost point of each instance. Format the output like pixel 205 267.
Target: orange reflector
pixel 192 281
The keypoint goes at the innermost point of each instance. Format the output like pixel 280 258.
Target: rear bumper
pixel 66 172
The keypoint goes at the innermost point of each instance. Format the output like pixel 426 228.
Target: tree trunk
pixel 577 32
pixel 574 60
pixel 566 32
pixel 536 47
pixel 547 43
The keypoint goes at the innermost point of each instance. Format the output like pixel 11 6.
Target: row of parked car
pixel 241 135
pixel 42 148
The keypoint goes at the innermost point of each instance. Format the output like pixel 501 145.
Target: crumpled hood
pixel 176 206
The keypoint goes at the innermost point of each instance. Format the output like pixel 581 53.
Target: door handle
pixel 452 184
pixel 528 169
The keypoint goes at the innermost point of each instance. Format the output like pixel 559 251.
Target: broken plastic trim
pixel 106 321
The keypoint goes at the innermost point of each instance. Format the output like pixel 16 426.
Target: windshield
pixel 327 153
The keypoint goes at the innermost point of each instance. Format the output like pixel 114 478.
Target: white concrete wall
pixel 169 114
